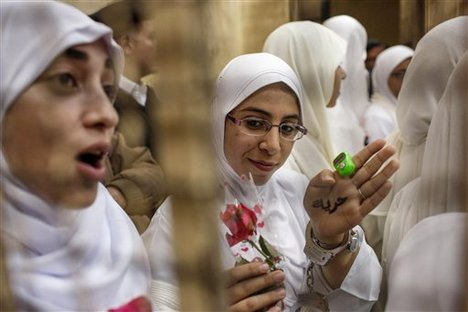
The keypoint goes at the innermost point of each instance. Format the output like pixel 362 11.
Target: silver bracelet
pixel 320 255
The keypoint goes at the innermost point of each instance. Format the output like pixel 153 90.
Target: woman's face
pixel 340 74
pixel 261 155
pixel 57 132
pixel 395 80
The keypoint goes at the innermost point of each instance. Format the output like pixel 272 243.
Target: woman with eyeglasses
pixel 387 78
pixel 257 116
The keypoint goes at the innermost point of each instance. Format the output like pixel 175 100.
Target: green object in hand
pixel 344 164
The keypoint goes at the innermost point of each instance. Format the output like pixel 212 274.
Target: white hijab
pixel 314 53
pixel 61 259
pixel 435 57
pixel 380 117
pixel 444 181
pixel 239 79
pixel 283 194
pixel 354 96
pixel 429 270
pixel 385 63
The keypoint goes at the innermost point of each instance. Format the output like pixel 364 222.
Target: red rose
pixel 240 221
pixel 140 304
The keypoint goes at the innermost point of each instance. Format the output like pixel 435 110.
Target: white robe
pixel 429 268
pixel 286 215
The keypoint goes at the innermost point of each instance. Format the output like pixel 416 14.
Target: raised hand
pixel 336 204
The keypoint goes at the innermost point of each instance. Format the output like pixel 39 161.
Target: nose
pixel 271 141
pixel 100 113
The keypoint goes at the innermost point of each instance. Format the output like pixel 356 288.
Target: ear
pixel 126 43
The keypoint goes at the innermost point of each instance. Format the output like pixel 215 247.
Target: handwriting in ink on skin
pixel 320 203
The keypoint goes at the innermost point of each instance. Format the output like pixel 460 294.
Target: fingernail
pixel 264 268
pixel 281 292
pixel 278 277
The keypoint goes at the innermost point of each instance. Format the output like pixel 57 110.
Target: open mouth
pixel 93 159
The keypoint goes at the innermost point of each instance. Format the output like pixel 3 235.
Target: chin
pixel 80 199
pixel 259 181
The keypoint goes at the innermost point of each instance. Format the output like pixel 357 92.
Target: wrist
pixel 333 243
pixel 117 196
pixel 320 255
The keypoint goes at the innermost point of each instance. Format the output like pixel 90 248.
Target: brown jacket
pixel 138 176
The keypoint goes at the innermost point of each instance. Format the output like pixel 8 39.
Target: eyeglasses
pixel 257 127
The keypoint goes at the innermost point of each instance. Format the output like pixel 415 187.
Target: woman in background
pixel 387 78
pixel 316 54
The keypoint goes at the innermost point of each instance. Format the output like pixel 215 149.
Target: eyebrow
pixel 266 113
pixel 78 55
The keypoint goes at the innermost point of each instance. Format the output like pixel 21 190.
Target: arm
pixel 134 179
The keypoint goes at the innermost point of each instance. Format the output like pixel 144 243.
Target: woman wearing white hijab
pixel 261 92
pixel 315 54
pixel 346 116
pixel 69 246
pixel 443 182
pixel 435 57
pixel 387 78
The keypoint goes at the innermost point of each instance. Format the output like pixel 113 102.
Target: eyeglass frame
pixel 300 128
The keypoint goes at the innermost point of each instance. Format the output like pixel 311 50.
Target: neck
pixel 132 71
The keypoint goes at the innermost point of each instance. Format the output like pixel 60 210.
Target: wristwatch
pixel 320 255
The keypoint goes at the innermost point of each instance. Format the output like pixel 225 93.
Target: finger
pixel 370 203
pixel 373 165
pixel 363 155
pixel 260 301
pixel 244 271
pixel 371 186
pixel 248 287
pixel 324 178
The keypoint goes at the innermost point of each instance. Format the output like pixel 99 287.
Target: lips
pixel 263 165
pixel 91 161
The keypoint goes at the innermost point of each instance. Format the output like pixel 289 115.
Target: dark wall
pixel 381 18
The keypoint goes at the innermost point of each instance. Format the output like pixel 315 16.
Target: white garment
pixel 68 260
pixel 385 63
pixel 354 96
pixel 345 118
pixel 314 53
pixel 443 182
pixel 137 91
pixel 285 214
pixel 436 55
pixel 429 269
pixel 380 118
pixel 346 132
pixel 61 259
pixel 282 198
